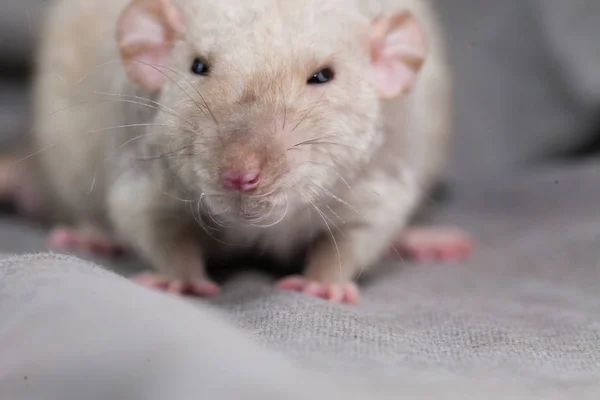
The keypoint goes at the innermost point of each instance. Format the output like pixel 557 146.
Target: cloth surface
pixel 56 344
pixel 70 330
pixel 525 310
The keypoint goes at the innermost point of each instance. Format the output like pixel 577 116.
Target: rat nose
pixel 242 181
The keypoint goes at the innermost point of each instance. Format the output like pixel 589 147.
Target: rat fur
pixel 133 145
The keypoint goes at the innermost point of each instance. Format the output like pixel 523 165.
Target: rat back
pixel 81 105
pixel 427 120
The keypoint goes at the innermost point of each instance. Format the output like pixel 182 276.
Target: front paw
pixel 85 239
pixel 202 287
pixel 336 292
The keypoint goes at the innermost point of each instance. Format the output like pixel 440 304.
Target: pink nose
pixel 242 181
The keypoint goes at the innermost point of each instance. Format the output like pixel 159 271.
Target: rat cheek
pixel 297 156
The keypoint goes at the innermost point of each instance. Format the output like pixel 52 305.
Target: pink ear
pixel 145 33
pixel 398 51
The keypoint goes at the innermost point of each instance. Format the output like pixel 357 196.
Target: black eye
pixel 200 67
pixel 323 76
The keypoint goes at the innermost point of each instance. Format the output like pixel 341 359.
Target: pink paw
pixel 335 292
pixel 75 239
pixel 434 244
pixel 199 287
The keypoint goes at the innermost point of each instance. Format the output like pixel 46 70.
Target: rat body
pixel 191 129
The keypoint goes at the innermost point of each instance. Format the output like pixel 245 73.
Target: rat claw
pixel 205 288
pixel 334 292
pixel 151 280
pixel 176 287
pixel 202 287
pixel 351 293
pixel 83 239
pixel 315 289
pixel 295 283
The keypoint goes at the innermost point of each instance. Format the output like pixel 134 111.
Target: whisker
pixel 214 220
pixel 198 133
pixel 329 219
pixel 313 142
pixel 117 61
pixel 171 195
pixel 93 183
pixel 179 86
pixel 165 155
pixel 133 139
pixel 337 198
pixel 205 227
pixel 309 111
pixel 314 139
pixel 152 102
pixel 327 226
pixel 93 70
pixel 198 218
pixel 195 89
pixel 260 196
pixel 287 206
pixel 174 197
pixel 260 217
pixel 336 215
pixel 333 169
pixel 156 106
pixel 33 154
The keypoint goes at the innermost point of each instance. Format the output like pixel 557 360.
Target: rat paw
pixel 434 244
pixel 202 287
pixel 335 292
pixel 17 187
pixel 81 239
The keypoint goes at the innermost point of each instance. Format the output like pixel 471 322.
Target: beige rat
pixel 196 129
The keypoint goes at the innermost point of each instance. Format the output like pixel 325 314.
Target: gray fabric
pixel 525 311
pixel 70 330
pixel 56 344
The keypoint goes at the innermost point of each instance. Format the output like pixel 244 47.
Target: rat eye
pixel 323 76
pixel 200 67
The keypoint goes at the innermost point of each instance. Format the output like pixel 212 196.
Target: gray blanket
pixel 525 311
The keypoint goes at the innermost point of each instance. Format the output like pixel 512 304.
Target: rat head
pixel 271 103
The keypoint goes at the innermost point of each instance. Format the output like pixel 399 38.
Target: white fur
pixel 386 157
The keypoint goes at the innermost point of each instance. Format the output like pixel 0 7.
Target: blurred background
pixel 527 80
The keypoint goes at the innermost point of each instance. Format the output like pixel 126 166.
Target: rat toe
pixel 295 283
pixel 205 288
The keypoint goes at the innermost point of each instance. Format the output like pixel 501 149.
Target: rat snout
pixel 242 171
pixel 244 181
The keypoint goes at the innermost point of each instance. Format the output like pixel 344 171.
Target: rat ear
pixel 398 50
pixel 146 31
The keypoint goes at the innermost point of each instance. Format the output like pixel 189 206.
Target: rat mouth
pixel 263 212
pixel 240 209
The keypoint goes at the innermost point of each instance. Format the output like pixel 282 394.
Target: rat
pixel 189 130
